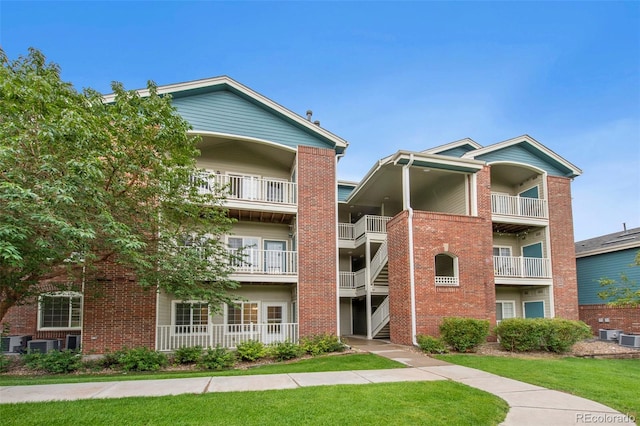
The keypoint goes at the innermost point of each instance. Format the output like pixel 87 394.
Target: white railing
pixel 360 279
pixel 346 231
pixel 510 205
pixel 347 280
pixel 379 260
pixel 368 223
pixel 270 262
pixel 248 188
pixel 172 337
pixel 521 267
pixel 380 317
pixel 447 281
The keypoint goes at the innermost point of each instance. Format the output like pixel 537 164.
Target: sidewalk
pixel 529 405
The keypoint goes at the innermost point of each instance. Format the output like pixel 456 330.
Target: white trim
pixel 240 303
pixel 513 302
pixel 174 325
pixel 452 145
pixel 65 294
pixel 501 247
pixel 518 140
pixel 234 85
pixel 242 138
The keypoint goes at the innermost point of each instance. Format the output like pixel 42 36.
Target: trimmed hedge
pixel 464 334
pixel 430 344
pixel 547 334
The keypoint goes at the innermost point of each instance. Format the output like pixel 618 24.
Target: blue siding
pixel 344 191
pixel 457 152
pixel 520 154
pixel 225 112
pixel 608 265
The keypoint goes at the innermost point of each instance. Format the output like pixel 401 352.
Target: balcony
pixel 521 267
pixel 265 262
pixel 515 206
pixel 368 224
pixel 250 192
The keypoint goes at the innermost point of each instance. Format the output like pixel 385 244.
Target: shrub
pixel 548 334
pixel 139 359
pixel 251 350
pixel 5 363
pixel 55 362
pixel 282 351
pixel 188 355
pixel 321 343
pixel 464 334
pixel 217 358
pixel 430 344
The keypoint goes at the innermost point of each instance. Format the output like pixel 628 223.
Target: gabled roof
pixel 215 84
pixel 492 153
pixel 627 239
pixel 456 148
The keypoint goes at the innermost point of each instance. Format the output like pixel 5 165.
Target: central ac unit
pixel 630 340
pixel 44 346
pixel 609 334
pixel 14 343
pixel 72 342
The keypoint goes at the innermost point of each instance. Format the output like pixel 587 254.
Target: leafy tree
pixel 626 292
pixel 84 182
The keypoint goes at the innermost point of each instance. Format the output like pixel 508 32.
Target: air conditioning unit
pixel 630 340
pixel 14 343
pixel 44 346
pixel 72 342
pixel 609 334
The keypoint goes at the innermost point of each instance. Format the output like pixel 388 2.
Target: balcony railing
pixel 447 281
pixel 521 267
pixel 270 262
pixel 510 205
pixel 172 337
pixel 366 224
pixel 353 280
pixel 249 188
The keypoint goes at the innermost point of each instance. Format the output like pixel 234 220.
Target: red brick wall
pixel 116 312
pixel 317 251
pixel 626 319
pixel 399 279
pixel 565 283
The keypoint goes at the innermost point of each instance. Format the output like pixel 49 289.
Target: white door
pixel 275 314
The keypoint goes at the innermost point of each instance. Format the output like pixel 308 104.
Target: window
pixel 504 310
pixel 446 267
pixel 61 310
pixel 190 317
pixel 503 263
pixel 250 253
pixel 242 316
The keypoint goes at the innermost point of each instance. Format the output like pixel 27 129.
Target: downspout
pixel 407 206
pixel 338 157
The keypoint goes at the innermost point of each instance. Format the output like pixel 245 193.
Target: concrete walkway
pixel 529 405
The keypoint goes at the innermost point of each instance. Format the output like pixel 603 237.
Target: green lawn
pixel 343 362
pixel 405 403
pixel 612 382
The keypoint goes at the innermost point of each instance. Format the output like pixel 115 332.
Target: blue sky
pixel 387 76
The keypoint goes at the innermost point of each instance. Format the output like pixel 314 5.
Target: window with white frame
pixel 446 268
pixel 60 311
pixel 505 310
pixel 249 247
pixel 191 317
pixel 242 316
pixel 503 263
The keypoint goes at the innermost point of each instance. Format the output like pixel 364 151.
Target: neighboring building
pixel 607 256
pixel 457 230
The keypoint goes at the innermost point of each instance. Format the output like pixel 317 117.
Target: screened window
pixel 60 311
pixel 242 316
pixel 446 267
pixel 505 310
pixel 191 317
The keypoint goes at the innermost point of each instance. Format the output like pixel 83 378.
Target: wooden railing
pixel 172 337
pixel 248 188
pixel 366 224
pixel 510 205
pixel 270 262
pixel 380 317
pixel 521 267
pixel 379 260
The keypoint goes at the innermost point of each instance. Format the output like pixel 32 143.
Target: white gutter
pixel 407 200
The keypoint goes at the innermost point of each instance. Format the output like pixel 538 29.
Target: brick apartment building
pixel 456 230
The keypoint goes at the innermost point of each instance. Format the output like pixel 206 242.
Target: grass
pixel 344 362
pixel 612 382
pixel 405 403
